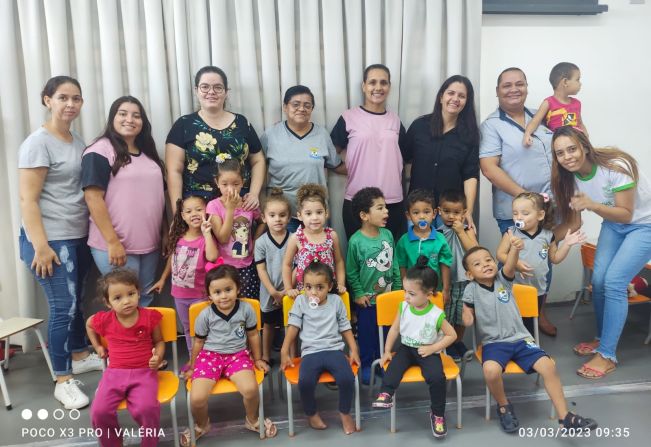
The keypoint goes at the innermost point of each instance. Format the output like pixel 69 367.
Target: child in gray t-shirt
pixel 321 320
pixel 489 300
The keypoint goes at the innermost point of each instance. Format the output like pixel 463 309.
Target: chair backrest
pixel 526 297
pixel 388 303
pixel 288 302
pixel 587 255
pixel 196 309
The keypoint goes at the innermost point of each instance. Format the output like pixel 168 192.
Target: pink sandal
pixel 584 349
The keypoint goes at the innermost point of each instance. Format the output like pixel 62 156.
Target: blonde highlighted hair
pixel 311 192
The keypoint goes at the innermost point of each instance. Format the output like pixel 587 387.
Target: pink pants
pixel 140 388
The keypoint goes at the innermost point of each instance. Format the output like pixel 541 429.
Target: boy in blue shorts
pixel 489 299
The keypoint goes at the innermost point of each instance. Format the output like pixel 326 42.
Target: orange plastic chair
pixel 168 381
pixel 224 385
pixel 526 297
pixel 387 305
pixel 291 374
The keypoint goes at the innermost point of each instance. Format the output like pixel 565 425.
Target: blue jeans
pixel 622 251
pixel 66 330
pixel 145 267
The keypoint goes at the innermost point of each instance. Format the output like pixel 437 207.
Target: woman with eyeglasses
pixel 195 141
pixel 297 150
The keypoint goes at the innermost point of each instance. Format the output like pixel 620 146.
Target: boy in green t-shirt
pixel 370 270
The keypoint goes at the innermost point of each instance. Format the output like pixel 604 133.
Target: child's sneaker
pixel 453 352
pixel 383 400
pixel 91 362
pixel 575 421
pixel 439 429
pixel 508 419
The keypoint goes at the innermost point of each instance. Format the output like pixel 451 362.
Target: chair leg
pixel 45 352
pixel 175 425
pixel 648 338
pixel 372 381
pixel 261 410
pixel 459 402
pixel 488 404
pixel 358 416
pixel 271 384
pixel 193 441
pixel 3 387
pixel 579 295
pixel 5 364
pixel 393 414
pixel 280 385
pixel 290 409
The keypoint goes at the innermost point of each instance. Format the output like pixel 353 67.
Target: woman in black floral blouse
pixel 195 141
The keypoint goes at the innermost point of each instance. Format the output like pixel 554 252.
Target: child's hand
pixel 386 358
pixel 426 350
pixel 578 237
pixel 354 358
pixel 101 352
pixel 293 293
pixel 277 296
pixel 526 271
pixel 206 226
pixel 231 199
pixel 157 287
pixel 527 140
pixel 262 365
pixel 515 241
pixel 458 226
pixel 363 301
pixel 581 202
pixel 341 288
pixel 187 374
pixel 154 361
pixel 285 361
pixel 446 297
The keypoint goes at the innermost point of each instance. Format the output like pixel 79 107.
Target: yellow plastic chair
pixel 292 373
pixel 526 297
pixel 168 381
pixel 224 385
pixel 387 305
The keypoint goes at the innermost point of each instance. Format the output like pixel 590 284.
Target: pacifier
pixel 313 301
pixel 422 224
pixel 519 224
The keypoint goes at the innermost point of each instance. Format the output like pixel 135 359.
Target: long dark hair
pixel 144 141
pixel 179 227
pixel 467 119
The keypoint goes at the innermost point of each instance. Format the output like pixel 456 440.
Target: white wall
pixel 613 51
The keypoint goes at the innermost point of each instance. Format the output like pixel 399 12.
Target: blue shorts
pixel 525 354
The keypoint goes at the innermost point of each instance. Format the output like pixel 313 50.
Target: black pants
pixel 432 370
pixel 397 222
pixel 334 362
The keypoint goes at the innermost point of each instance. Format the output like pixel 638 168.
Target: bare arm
pixel 573 224
pixel 253 337
pixel 212 252
pixel 290 337
pixel 353 351
pixel 276 295
pixel 258 173
pixel 468 315
pixel 558 254
pixel 467 238
pixel 470 191
pixel 340 265
pixel 449 337
pixel 288 266
pixel 94 339
pixel 392 336
pixel 512 258
pixel 503 248
pixel 174 164
pixel 158 285
pixel 94 197
pixel 622 212
pixel 534 123
pixel 158 352
pixel 497 176
pixel 341 169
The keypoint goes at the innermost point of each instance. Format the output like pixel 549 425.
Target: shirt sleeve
pixel 506 278
pixel 95 171
pixel 33 153
pixel 491 141
pixel 353 267
pixel 468 296
pixel 342 316
pixel 295 317
pixel 470 167
pixel 98 322
pixel 201 327
pixel 439 321
pixel 155 317
pixel 401 253
pixel 339 134
pixel 264 143
pixel 445 254
pixel 176 134
pixel 397 279
pixel 402 140
pixel 252 140
pixel 260 250
pixel 250 318
pixel 621 181
pixel 332 160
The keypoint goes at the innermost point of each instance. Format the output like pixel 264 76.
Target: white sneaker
pixel 69 394
pixel 90 363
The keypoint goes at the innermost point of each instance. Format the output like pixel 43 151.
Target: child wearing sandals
pixel 136 349
pixel 489 299
pixel 222 331
pixel 424 333
pixel 321 320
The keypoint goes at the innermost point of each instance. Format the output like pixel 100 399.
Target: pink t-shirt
pixel 373 156
pixel 238 251
pixel 135 199
pixel 560 114
pixel 189 268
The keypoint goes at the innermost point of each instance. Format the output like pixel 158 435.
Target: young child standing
pixel 371 269
pixel 320 319
pixel 424 333
pixel 452 209
pixel 489 299
pixel 560 109
pixel 222 332
pixel 191 245
pixel 313 241
pixel 269 254
pixel 136 349
pixel 233 225
pixel 534 220
pixel 423 240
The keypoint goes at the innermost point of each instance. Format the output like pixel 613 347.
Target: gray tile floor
pixel 620 401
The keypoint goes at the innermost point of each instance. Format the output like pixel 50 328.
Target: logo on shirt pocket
pixel 503 295
pixel 314 152
pixel 240 331
pixel 544 251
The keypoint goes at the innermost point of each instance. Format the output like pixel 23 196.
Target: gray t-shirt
pixel 63 209
pixel 457 271
pixel 272 254
pixel 536 254
pixel 529 167
pixel 320 328
pixel 293 161
pixel 225 334
pixel 496 312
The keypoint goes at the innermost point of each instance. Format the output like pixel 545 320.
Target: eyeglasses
pixel 297 105
pixel 217 88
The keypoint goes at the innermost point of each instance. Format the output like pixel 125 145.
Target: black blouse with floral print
pixel 202 145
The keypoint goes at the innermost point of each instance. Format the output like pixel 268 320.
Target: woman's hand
pixel 251 201
pixel 293 293
pixel 116 254
pixel 470 222
pixel 581 202
pixel 43 259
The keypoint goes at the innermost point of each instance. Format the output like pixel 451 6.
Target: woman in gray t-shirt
pixel 54 230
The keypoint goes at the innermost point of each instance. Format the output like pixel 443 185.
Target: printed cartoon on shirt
pixel 240 234
pixel 382 262
pixel 544 251
pixel 184 265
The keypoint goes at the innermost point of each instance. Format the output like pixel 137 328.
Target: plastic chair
pixel 168 381
pixel 387 305
pixel 224 385
pixel 526 297
pixel 15 326
pixel 292 373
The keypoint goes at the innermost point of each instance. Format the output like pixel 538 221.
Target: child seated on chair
pixel 424 333
pixel 136 349
pixel 320 318
pixel 489 299
pixel 221 332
